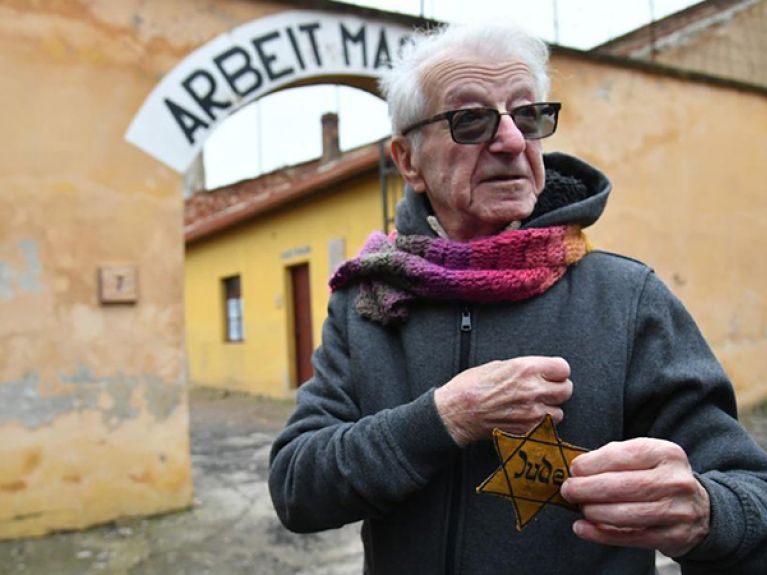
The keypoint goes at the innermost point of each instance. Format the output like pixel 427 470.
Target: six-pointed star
pixel 533 467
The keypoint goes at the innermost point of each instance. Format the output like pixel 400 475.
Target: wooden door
pixel 302 322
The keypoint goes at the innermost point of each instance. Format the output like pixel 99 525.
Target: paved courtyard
pixel 231 528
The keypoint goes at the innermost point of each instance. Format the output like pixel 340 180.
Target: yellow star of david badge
pixel 533 468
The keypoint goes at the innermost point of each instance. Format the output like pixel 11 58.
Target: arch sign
pixel 249 62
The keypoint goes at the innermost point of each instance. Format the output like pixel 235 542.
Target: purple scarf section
pixel 394 270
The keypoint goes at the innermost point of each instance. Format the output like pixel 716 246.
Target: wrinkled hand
pixel 512 395
pixel 639 493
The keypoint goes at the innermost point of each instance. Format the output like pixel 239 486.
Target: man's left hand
pixel 639 493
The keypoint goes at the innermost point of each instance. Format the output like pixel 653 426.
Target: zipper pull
pixel 465 320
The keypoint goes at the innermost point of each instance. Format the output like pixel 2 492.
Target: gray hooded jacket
pixel 366 442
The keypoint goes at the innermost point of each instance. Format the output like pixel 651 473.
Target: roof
pixel 673 28
pixel 207 213
pixel 362 11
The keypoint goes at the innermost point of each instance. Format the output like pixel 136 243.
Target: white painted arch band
pixel 248 62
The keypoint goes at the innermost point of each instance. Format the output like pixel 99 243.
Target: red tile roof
pixel 207 213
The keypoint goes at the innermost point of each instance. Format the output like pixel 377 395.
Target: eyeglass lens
pixel 479 125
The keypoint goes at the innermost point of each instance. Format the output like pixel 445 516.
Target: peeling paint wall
pixel 687 163
pixel 93 411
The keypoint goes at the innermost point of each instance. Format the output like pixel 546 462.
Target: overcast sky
pixel 284 128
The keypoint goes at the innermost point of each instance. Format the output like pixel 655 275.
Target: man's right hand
pixel 512 395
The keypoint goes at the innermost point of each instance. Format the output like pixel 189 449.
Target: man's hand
pixel 639 493
pixel 512 395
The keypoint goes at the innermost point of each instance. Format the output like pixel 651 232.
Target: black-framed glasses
pixel 479 125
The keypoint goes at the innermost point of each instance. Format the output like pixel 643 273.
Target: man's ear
pixel 403 155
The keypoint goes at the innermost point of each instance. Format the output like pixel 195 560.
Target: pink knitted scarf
pixel 395 270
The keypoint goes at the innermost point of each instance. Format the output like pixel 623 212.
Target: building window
pixel 233 309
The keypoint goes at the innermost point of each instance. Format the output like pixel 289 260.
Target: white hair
pixel 401 84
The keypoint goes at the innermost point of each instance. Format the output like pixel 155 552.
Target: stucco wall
pixel 260 252
pixel 687 162
pixel 93 414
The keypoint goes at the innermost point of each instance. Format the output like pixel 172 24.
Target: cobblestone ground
pixel 231 529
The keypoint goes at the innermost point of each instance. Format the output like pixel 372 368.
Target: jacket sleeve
pixel 332 464
pixel 676 390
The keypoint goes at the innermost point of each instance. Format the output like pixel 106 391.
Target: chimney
pixel 330 149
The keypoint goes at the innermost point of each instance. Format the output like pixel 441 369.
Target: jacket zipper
pixel 456 496
pixel 463 358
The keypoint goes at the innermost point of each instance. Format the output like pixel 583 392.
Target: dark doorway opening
pixel 302 322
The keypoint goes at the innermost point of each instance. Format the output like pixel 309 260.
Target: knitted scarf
pixel 395 270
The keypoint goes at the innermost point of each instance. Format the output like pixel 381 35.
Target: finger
pixel 522 421
pixel 670 541
pixel 554 369
pixel 527 414
pixel 556 393
pixel 633 454
pixel 644 515
pixel 629 486
pixel 610 535
pixel 556 413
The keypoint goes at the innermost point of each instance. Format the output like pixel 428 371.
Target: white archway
pixel 269 54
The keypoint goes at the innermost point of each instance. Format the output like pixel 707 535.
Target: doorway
pixel 303 344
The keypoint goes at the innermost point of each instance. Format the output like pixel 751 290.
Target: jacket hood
pixel 575 193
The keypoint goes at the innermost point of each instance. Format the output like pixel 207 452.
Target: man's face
pixel 476 189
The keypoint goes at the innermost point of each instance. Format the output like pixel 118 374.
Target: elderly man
pixel 487 309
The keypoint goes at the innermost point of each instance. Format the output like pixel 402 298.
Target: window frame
pixel 233 309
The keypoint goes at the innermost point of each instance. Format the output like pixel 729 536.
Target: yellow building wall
pixel 260 252
pixel 93 410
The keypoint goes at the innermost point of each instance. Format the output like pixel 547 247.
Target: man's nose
pixel 508 137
